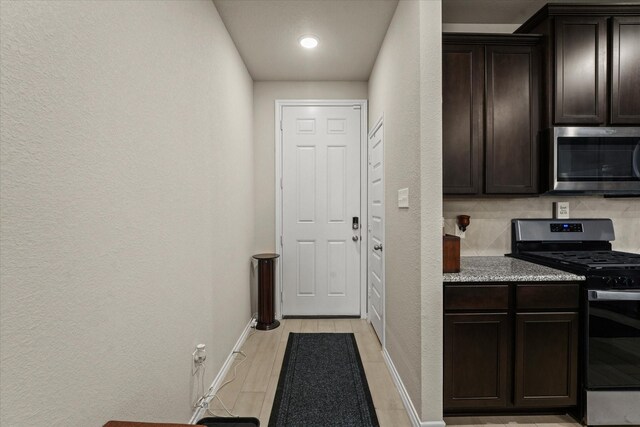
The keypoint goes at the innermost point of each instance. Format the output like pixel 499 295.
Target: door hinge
pixel 281 187
pixel 280 241
pixel 356 107
pixel 280 125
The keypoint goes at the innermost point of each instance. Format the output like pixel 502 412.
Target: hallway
pixel 251 393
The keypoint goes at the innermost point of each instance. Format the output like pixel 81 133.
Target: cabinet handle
pixel 614 296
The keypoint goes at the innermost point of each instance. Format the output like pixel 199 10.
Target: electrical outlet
pixel 561 210
pixel 200 354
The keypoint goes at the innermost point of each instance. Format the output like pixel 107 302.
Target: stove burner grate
pixel 591 259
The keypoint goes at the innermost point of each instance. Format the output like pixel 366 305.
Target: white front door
pixel 375 280
pixel 320 199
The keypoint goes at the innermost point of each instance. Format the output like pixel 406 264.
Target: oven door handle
pixel 614 296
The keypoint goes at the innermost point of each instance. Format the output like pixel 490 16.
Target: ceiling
pixel 266 33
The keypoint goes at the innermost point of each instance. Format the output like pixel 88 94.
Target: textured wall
pixel 431 206
pixel 264 96
pixel 490 229
pixel 127 207
pixel 394 89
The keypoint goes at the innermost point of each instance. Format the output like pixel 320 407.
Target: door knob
pixel 377 247
pixel 354 238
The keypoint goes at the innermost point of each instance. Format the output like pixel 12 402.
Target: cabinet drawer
pixel 476 297
pixel 548 296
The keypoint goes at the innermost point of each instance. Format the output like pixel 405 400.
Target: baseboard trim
pixel 199 412
pixel 331 316
pixel 404 395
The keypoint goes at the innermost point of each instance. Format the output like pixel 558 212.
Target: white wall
pixel 431 206
pixel 264 96
pixel 127 207
pixel 394 89
pixel 406 86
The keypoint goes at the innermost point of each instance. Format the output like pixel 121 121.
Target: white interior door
pixel 375 279
pixel 320 199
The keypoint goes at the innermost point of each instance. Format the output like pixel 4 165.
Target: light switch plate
pixel 403 198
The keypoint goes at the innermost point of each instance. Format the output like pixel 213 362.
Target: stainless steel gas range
pixel 610 345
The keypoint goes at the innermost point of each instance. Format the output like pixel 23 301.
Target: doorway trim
pixel 364 226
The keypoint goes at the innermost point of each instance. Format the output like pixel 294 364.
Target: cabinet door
pixel 462 90
pixel 546 371
pixel 476 362
pixel 625 70
pixel 512 122
pixel 581 64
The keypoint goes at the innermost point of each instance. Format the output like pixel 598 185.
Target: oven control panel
pixel 621 282
pixel 562 230
pixel 566 227
pixel 614 282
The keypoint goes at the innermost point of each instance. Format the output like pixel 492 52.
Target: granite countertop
pixel 505 269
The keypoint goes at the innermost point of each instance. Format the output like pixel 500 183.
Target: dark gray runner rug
pixel 322 383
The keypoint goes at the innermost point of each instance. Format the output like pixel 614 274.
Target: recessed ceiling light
pixel 308 42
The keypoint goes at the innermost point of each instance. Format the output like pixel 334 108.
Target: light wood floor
pixel 513 421
pixel 252 392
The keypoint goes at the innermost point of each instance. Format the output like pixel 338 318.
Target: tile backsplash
pixel 490 229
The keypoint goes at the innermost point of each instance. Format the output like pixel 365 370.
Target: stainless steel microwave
pixel 598 160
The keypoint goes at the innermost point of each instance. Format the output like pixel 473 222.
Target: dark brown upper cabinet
pixel 462 86
pixel 490 114
pixel 625 70
pixel 591 63
pixel 581 70
pixel 511 147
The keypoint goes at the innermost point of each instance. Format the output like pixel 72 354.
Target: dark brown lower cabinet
pixel 546 359
pixel 476 367
pixel 511 347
